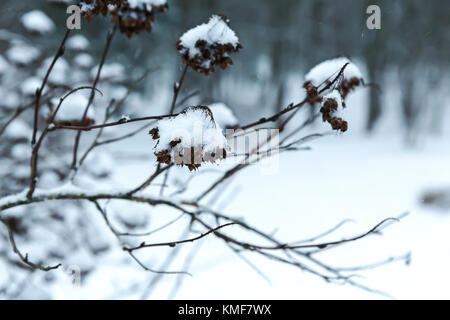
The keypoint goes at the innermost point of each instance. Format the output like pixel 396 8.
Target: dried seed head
pixel 189 139
pixel 132 16
pixel 324 73
pixel 209 45
pixel 332 106
pixel 311 92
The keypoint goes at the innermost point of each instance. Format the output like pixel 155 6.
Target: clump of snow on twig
pixel 223 115
pixel 18 129
pixel 146 4
pixel 327 70
pixel 72 108
pixel 84 60
pixel 215 31
pixel 77 42
pixel 192 131
pixel 209 44
pixel 38 22
pixel 30 85
pixel 22 54
pixel 59 72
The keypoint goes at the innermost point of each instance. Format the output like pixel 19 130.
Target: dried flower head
pixel 132 16
pixel 332 107
pixel 190 138
pixel 324 73
pixel 208 45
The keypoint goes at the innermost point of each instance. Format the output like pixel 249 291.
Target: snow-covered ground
pixel 365 179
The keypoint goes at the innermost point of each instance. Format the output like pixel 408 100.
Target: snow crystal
pixel 194 127
pixel 78 42
pixel 223 115
pixel 215 31
pixel 73 108
pixel 329 69
pixel 37 21
pixel 84 60
pixel 22 54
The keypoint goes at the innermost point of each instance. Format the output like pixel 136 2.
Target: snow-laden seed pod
pixel 332 109
pixel 208 45
pixel 132 16
pixel 189 139
pixel 325 72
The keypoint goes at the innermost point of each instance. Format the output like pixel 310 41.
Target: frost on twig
pixel 132 16
pixel 190 138
pixel 208 45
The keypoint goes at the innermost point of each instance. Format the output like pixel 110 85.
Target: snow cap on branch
pixel 37 22
pixel 132 16
pixel 223 115
pixel 325 72
pixel 209 44
pixel 71 111
pixel 189 139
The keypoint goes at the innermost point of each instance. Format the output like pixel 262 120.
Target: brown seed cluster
pixel 211 54
pixel 311 93
pixel 348 85
pixel 328 109
pixel 192 156
pixel 130 20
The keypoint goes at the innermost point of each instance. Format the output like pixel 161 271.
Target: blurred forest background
pixel 282 40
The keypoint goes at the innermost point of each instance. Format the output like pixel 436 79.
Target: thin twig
pixel 91 98
pixel 24 258
pixel 58 54
pixel 175 243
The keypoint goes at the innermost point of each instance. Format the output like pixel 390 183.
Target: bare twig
pixel 58 54
pixel 91 98
pixel 175 243
pixel 150 179
pixel 36 146
pixel 24 258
